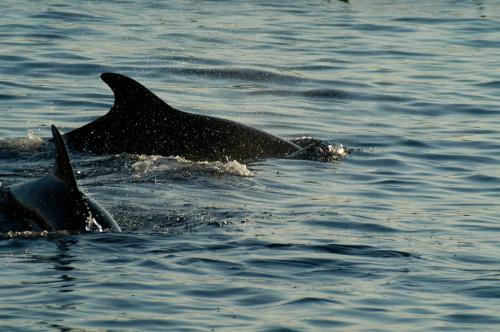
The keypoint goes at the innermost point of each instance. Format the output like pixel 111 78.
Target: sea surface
pixel 401 235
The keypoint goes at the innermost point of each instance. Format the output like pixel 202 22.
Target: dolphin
pixel 141 123
pixel 54 202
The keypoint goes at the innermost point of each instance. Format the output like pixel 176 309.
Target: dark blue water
pixel 401 235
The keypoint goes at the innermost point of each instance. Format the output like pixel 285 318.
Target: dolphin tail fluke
pixel 62 169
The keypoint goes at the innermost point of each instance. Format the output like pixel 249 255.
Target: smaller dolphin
pixel 54 202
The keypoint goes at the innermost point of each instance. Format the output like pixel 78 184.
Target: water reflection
pixel 480 7
pixel 62 261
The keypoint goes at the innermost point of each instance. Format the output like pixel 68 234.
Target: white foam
pixel 181 166
pixel 30 143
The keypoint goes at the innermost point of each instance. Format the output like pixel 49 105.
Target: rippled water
pixel 401 235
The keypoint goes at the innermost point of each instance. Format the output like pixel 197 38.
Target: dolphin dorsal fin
pixel 129 93
pixel 62 169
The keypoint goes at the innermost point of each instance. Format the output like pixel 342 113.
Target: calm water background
pixel 401 235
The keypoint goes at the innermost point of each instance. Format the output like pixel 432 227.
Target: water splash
pixel 91 225
pixel 180 167
pixel 29 144
pixel 319 150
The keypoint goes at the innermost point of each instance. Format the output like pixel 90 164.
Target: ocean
pixel 400 235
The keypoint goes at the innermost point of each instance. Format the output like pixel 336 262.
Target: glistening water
pixel 400 235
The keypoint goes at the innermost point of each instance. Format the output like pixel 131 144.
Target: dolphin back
pixel 141 123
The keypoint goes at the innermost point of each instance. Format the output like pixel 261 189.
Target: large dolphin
pixel 141 123
pixel 54 202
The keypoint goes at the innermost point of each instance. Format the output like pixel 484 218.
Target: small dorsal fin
pixel 129 92
pixel 62 169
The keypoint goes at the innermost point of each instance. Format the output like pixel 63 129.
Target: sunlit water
pixel 401 235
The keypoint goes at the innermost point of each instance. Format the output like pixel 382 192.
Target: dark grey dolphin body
pixel 54 202
pixel 141 123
